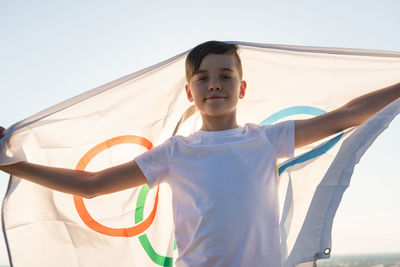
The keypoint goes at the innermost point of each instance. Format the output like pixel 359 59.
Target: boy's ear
pixel 243 86
pixel 188 93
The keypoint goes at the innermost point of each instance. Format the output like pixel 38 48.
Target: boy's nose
pixel 214 87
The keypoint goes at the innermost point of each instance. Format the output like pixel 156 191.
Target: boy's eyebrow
pixel 205 71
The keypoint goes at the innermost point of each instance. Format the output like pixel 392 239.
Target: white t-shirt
pixel 224 193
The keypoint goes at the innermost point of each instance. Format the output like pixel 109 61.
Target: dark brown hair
pixel 194 58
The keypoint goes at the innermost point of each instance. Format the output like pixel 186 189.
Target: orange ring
pixel 80 205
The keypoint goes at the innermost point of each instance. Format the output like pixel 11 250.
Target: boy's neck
pixel 219 123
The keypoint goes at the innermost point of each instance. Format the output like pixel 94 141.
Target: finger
pixel 1 131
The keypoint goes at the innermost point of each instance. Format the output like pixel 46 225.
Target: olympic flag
pixel 115 122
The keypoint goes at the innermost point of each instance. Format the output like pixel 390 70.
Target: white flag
pixel 116 122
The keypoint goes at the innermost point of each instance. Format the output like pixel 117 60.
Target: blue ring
pixel 295 110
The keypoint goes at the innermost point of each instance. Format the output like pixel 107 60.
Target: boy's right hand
pixel 1 132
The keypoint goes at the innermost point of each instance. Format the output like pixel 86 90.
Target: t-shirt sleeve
pixel 281 136
pixel 155 163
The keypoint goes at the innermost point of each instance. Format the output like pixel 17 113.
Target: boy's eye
pixel 227 77
pixel 202 78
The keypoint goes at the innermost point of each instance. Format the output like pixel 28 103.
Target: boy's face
pixel 216 87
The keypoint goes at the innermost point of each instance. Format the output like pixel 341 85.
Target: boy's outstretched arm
pixel 351 114
pixel 82 183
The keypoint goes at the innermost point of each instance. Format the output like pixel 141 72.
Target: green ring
pixel 144 240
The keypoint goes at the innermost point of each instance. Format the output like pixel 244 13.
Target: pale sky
pixel 53 50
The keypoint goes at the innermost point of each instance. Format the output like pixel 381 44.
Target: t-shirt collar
pixel 229 132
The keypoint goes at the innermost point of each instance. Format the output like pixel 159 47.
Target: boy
pixel 209 170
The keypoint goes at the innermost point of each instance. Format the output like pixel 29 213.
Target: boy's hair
pixel 196 56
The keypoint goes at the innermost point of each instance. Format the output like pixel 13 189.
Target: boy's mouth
pixel 214 98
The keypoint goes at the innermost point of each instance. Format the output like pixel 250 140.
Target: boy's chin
pixel 218 112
